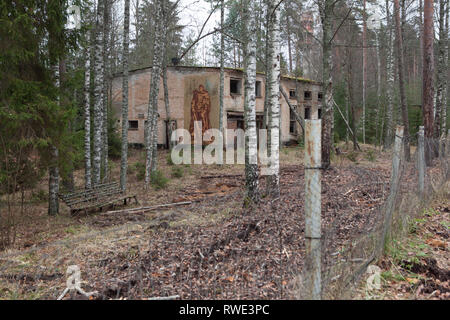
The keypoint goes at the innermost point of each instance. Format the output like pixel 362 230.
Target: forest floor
pixel 212 248
pixel 418 265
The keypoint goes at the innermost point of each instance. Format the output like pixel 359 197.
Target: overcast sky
pixel 193 14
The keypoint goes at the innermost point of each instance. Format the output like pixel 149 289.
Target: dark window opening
pixel 307 112
pixel 235 86
pixel 133 125
pixel 319 113
pixel 307 95
pixel 292 120
pixel 292 94
pixel 319 96
pixel 258 89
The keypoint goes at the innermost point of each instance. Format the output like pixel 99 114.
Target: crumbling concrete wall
pixel 183 81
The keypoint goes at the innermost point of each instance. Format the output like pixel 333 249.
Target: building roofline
pixel 287 77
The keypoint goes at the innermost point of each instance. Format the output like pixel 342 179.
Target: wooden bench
pixel 97 197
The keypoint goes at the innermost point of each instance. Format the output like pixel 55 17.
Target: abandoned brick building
pixel 198 88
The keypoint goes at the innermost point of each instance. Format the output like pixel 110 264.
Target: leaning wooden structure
pixel 98 197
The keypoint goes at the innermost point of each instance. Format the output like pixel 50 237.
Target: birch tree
pixel 53 170
pixel 106 67
pixel 126 43
pixel 326 10
pixel 167 13
pixel 251 148
pixel 151 133
pixel 364 70
pixel 401 80
pixel 222 71
pixel 87 116
pixel 427 75
pixel 390 81
pixel 98 96
pixel 273 179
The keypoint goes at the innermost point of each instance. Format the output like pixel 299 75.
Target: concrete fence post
pixel 421 160
pixel 395 178
pixel 313 163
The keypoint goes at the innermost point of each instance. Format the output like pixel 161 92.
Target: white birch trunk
pixel 105 54
pixel 273 181
pixel 87 118
pixel 251 140
pixel 98 96
pixel 390 83
pixel 222 74
pixel 124 151
pixel 53 170
pixel 151 136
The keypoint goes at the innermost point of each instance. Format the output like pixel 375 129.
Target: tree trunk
pixel 53 170
pixel 351 105
pixel 67 177
pixel 164 73
pixel 124 151
pixel 446 82
pixel 53 182
pixel 98 96
pixel 377 116
pixel 441 71
pixel 427 76
pixel 326 10
pixel 152 114
pixel 401 81
pixel 251 147
pixel 288 31
pixel 222 71
pixel 87 117
pixel 390 75
pixel 106 67
pixel 268 69
pixel 364 71
pixel 273 179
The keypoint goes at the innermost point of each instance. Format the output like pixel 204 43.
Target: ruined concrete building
pixel 193 89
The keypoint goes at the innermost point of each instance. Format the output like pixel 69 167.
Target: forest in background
pixel 376 59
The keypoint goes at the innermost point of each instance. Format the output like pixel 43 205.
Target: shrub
pixel 177 172
pixel 39 196
pixel 139 167
pixel 169 159
pixel 158 180
pixel 370 155
pixel 352 156
pixel 114 138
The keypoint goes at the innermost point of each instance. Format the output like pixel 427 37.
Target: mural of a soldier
pixel 200 108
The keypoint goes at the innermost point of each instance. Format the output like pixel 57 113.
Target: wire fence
pixel 256 252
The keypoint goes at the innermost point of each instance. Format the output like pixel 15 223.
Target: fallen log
pixel 144 209
pixel 222 176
